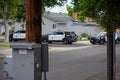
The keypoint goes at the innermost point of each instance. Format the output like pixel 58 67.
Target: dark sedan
pixel 101 38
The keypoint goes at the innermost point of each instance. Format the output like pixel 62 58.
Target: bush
pixel 79 38
pixel 84 35
pixel 3 33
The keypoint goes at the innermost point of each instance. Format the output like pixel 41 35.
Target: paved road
pixel 80 64
pixel 77 62
pixel 54 47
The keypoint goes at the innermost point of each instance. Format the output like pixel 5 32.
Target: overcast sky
pixel 58 9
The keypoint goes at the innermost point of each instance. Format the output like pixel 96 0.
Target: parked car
pixel 61 36
pixel 117 38
pixel 57 36
pixel 18 35
pixel 101 38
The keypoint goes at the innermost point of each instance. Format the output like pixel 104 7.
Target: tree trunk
pixel 6 24
pixel 111 58
pixel 33 20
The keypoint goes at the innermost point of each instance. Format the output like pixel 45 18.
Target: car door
pixel 19 35
pixel 16 35
pixel 56 36
pixel 22 35
pixel 59 36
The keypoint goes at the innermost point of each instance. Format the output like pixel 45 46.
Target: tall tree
pixel 7 11
pixel 34 10
pixel 107 13
pixel 33 20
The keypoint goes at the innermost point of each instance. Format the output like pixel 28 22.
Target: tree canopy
pixel 12 7
pixel 17 10
pixel 103 11
pixel 8 9
pixel 52 3
pixel 20 16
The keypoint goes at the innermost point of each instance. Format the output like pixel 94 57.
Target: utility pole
pixel 33 20
pixel 33 32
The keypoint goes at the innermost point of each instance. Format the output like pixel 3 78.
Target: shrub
pixel 84 35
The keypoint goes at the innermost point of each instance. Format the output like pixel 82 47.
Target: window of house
pixel 54 26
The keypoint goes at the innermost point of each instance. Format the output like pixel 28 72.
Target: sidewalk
pixel 84 42
pixel 6 51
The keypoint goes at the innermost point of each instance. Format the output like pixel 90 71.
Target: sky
pixel 61 9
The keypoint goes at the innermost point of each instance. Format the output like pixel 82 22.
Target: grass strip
pixel 4 44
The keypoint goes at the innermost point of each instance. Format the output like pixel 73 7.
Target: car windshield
pixel 20 31
pixel 57 33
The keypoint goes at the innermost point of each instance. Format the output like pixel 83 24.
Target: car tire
pixel 50 42
pixel 70 42
pixel 10 39
pixel 65 41
pixel 44 40
pixel 93 42
pixel 102 42
pixel 117 41
pixel 15 40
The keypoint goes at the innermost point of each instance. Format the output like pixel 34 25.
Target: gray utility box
pixel 26 61
pixel 8 67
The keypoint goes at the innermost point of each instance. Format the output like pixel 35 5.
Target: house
pixel 61 21
pixel 55 21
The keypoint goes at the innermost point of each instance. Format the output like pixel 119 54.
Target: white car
pixel 18 35
pixel 61 36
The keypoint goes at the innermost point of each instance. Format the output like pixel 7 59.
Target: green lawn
pixel 4 44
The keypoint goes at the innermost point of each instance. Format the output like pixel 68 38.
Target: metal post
pixel 111 58
pixel 114 58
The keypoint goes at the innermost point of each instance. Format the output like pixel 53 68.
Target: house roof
pixel 63 18
pixel 58 17
pixel 84 23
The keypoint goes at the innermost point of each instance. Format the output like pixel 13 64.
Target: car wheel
pixel 65 41
pixel 101 42
pixel 93 42
pixel 10 39
pixel 117 41
pixel 44 40
pixel 15 40
pixel 50 41
pixel 70 42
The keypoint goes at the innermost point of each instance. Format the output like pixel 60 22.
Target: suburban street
pixel 79 61
pixel 87 63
